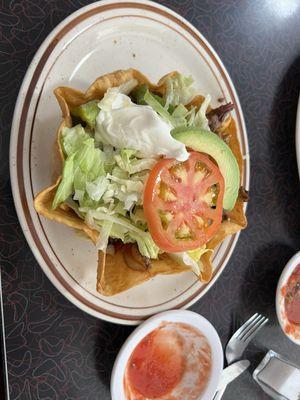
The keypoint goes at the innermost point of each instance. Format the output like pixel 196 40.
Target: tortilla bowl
pixel 122 269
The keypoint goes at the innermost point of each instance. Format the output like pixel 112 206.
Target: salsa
pixel 292 297
pixel 172 361
pixel 149 367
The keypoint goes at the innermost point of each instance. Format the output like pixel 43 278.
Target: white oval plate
pixel 97 39
pixel 188 317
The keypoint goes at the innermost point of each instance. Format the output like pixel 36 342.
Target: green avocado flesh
pixel 209 143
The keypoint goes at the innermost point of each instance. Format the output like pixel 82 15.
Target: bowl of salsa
pixel 175 354
pixel 288 299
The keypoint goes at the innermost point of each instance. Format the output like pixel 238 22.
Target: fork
pixel 239 341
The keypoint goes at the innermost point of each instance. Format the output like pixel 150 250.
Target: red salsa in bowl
pixel 291 294
pixel 171 362
pixel 288 299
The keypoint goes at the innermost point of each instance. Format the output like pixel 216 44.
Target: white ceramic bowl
pixel 188 317
pixel 284 277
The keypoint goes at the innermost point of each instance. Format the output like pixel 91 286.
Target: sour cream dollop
pixel 124 124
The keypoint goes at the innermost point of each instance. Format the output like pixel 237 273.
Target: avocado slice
pixel 210 143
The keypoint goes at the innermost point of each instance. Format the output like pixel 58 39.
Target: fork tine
pixel 250 326
pixel 250 334
pixel 245 326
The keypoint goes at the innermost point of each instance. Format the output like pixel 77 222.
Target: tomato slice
pixel 183 202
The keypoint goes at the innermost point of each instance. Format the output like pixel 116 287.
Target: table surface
pixel 54 350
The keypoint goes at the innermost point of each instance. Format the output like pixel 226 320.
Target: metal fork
pixel 240 340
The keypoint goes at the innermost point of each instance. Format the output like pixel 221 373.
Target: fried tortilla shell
pixel 63 213
pixel 114 275
pixel 119 272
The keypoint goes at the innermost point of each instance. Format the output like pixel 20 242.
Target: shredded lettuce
pixel 72 139
pixel 180 116
pixel 191 258
pixel 197 253
pixel 174 119
pixel 124 158
pixel 138 218
pixel 179 90
pixel 200 120
pixel 105 232
pixel 127 184
pixel 139 165
pixel 145 244
pixel 97 188
pixel 64 189
pixel 126 231
pixel 104 186
pixel 138 95
pixel 135 165
pixel 159 108
pixel 128 86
